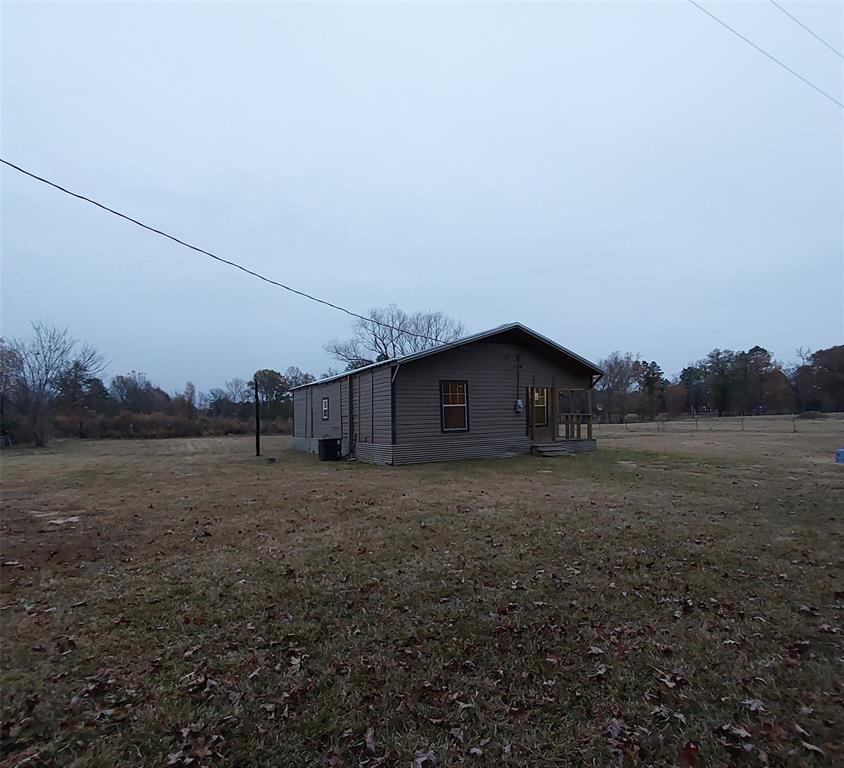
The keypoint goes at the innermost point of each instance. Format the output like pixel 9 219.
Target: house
pixel 502 392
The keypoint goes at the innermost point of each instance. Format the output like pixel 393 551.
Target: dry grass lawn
pixel 669 600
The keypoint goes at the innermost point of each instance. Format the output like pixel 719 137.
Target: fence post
pixel 794 422
pixel 697 426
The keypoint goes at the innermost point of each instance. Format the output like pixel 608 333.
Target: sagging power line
pixel 809 30
pixel 214 256
pixel 765 53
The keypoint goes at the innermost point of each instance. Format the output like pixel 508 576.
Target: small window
pixel 325 409
pixel 454 406
pixel 540 407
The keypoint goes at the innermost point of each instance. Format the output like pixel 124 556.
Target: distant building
pixel 503 392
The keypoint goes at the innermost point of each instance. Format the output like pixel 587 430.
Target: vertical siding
pixel 300 397
pixel 332 426
pixel 372 416
pixel 363 384
pixel 495 427
pixel 344 416
pixel 382 418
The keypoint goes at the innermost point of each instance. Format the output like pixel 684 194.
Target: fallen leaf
pixel 600 671
pixel 424 759
pixel 64 520
pixel 690 755
pixel 754 705
pixel 333 760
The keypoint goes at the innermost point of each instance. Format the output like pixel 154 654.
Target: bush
pixel 128 425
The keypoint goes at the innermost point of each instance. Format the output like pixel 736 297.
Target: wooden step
pixel 563 447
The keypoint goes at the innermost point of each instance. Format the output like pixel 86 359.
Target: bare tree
pixel 296 378
pixel 617 382
pixel 37 366
pixel 391 332
pixel 190 394
pixel 237 390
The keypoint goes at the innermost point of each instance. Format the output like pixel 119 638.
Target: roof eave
pixel 458 343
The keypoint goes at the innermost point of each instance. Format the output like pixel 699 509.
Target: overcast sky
pixel 616 176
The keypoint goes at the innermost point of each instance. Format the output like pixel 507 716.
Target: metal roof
pixel 457 343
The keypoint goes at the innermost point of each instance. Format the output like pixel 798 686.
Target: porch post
pixel 531 417
pixel 589 422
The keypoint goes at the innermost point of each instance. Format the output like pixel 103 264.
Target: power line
pixel 219 258
pixel 810 31
pixel 765 53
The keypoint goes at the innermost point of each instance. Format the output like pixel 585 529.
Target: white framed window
pixel 454 406
pixel 325 409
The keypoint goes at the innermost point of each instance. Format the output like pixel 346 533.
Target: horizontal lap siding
pixel 308 424
pixel 374 453
pixel 495 428
pixel 332 426
pixel 481 448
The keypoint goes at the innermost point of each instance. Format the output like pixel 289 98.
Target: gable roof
pixel 509 330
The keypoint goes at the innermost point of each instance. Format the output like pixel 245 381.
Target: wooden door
pixel 541 414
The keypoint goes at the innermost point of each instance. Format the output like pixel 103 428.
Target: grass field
pixel 671 599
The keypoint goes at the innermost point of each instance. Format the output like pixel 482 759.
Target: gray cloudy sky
pixel 617 176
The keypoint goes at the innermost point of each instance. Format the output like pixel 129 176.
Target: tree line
pixel 51 384
pixel 724 383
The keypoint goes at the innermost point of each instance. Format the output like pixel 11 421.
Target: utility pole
pixel 257 420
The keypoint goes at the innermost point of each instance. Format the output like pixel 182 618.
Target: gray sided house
pixel 502 392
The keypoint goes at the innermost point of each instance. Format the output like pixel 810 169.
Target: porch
pixel 560 421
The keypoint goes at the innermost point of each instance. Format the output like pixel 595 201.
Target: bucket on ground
pixel 329 449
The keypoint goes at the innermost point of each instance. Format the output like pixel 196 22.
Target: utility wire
pixel 765 53
pixel 810 31
pixel 219 258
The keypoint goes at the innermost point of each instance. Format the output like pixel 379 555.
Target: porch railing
pixel 570 426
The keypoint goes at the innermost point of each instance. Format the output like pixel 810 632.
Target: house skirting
pixel 423 452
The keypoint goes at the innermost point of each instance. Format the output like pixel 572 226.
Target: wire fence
pixel 827 424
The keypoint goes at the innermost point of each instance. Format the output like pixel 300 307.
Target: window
pixel 325 409
pixel 540 407
pixel 454 405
